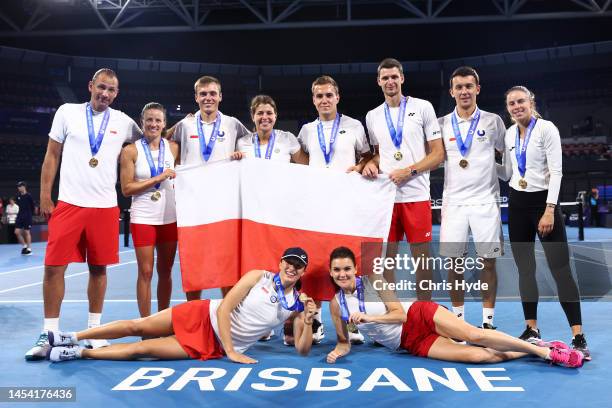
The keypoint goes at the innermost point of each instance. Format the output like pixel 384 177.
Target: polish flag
pixel 241 215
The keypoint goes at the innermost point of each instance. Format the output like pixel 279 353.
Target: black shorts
pixel 23 223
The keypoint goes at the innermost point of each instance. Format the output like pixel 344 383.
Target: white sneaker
pixel 95 343
pixel 40 349
pixel 64 353
pixel 268 336
pixel 355 337
pixel 59 338
pixel 319 334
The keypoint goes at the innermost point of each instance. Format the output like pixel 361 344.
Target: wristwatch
pixel 413 172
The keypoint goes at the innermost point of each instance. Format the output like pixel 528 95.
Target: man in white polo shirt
pixel 335 141
pixel 407 145
pixel 208 136
pixel 84 226
pixel 470 200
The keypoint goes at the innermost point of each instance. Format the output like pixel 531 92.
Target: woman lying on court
pixel 422 328
pixel 207 329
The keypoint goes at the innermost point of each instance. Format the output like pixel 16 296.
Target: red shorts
pixel 149 235
pixel 414 219
pixel 194 331
pixel 77 234
pixel 419 331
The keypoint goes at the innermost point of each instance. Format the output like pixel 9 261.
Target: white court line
pixel 588 247
pixel 66 277
pixel 87 301
pixel 606 297
pixel 39 266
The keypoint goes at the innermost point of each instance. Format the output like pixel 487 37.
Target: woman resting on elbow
pixel 207 329
pixel 426 329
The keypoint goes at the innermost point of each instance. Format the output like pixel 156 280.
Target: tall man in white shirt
pixel 84 226
pixel 407 145
pixel 208 136
pixel 335 141
pixel 471 190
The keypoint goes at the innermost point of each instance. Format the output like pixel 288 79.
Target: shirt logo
pixel 411 113
pixel 342 132
pixel 480 133
pixel 193 136
pixel 273 299
pixel 220 134
pixel 113 132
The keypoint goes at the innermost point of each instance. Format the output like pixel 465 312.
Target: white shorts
pixel 484 221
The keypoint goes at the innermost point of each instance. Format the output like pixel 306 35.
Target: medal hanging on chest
pixel 464 145
pixel 95 141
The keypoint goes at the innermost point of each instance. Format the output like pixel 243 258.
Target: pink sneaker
pixel 554 344
pixel 566 358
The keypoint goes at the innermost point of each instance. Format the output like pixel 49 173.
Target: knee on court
pixel 475 335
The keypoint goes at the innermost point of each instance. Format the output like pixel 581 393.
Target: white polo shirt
pixel 285 145
pixel 350 143
pixel 420 127
pixel 544 160
pixel 477 183
pixel 80 184
pixel 186 134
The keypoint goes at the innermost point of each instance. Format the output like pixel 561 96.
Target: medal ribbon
pixel 268 149
pixel 521 151
pixel 344 312
pixel 464 147
pixel 160 159
pixel 280 292
pixel 204 148
pixel 96 142
pixel 332 140
pixel 396 135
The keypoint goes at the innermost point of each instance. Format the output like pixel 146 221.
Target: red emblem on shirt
pixel 193 136
pixel 452 139
pixel 113 132
pixel 265 290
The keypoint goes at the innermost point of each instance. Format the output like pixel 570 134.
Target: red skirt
pixel 194 331
pixel 419 331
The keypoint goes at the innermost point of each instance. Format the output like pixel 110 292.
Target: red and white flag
pixel 241 215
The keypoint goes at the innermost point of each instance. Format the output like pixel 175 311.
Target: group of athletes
pixel 408 141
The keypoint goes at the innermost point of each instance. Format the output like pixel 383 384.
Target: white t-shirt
pixel 144 210
pixel 186 134
pixel 258 313
pixel 11 213
pixel 544 160
pixel 285 145
pixel 420 126
pixel 477 183
pixel 387 334
pixel 350 143
pixel 80 184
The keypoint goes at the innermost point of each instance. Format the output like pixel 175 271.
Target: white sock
pixel 459 311
pixel 487 315
pixel 51 324
pixel 93 320
pixel 79 351
pixel 25 245
pixel 318 315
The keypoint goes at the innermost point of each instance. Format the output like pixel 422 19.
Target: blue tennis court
pixel 370 374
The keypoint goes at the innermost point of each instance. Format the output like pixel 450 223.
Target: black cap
pixel 21 184
pixel 296 253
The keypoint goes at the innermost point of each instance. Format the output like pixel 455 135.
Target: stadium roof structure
pixel 32 18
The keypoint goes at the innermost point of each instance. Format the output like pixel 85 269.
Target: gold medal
pixel 523 183
pixel 463 163
pixel 398 155
pixel 352 327
pixel 93 162
pixel 303 297
pixel 155 196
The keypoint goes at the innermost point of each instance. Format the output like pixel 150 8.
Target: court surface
pixel 369 375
